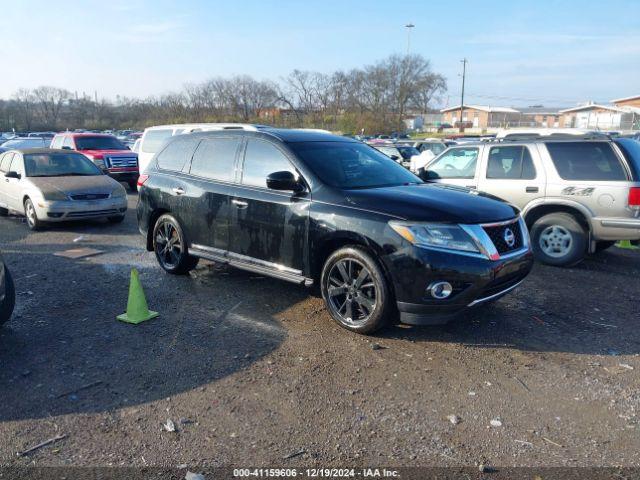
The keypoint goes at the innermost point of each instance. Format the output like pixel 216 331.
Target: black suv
pixel 314 208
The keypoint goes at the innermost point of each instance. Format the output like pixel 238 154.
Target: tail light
pixel 634 197
pixel 142 179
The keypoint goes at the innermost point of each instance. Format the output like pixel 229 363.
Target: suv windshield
pixel 58 165
pixel 99 143
pixel 352 165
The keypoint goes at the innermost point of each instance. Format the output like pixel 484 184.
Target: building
pixel 602 117
pixel 633 102
pixel 481 116
pixel 539 116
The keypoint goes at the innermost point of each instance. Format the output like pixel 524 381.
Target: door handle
pixel 178 190
pixel 532 189
pixel 239 203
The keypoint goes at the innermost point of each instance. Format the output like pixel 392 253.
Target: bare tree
pixel 49 100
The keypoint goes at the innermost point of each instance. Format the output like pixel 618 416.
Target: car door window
pixel 260 160
pixel 16 165
pixel 6 162
pixel 456 163
pixel 215 158
pixel 176 154
pixel 510 162
pixel 68 142
pixel 586 161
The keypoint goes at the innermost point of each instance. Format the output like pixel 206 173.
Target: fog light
pixel 54 214
pixel 440 290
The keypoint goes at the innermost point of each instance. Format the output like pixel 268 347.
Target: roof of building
pixel 482 108
pixel 540 110
pixel 626 99
pixel 593 106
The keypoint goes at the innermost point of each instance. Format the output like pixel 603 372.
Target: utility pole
pixel 409 26
pixel 464 73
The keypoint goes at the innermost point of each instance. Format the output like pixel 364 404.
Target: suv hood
pixel 113 153
pixel 430 202
pixel 71 185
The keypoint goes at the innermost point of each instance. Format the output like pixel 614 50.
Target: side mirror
pixel 283 181
pixel 427 175
pixel 15 175
pixel 394 157
pixel 66 147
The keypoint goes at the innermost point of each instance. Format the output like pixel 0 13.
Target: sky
pixel 520 53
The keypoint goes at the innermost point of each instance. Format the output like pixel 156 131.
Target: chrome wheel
pixel 351 292
pixel 168 244
pixel 556 241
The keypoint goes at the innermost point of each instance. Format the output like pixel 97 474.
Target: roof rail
pixel 556 136
pixel 230 126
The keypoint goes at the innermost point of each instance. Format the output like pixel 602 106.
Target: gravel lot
pixel 252 370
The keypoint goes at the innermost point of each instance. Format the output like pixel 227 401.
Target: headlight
pixel 438 235
pixel 55 196
pixel 118 193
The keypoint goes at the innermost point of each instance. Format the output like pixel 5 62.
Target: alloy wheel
pixel 30 213
pixel 168 244
pixel 351 292
pixel 556 241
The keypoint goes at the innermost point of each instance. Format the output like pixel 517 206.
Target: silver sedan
pixel 49 185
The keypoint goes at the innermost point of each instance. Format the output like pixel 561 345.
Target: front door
pixel 513 173
pixel 13 186
pixel 268 227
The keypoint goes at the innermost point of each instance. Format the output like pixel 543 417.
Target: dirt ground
pixel 253 370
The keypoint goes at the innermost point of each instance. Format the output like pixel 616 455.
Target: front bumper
pixel 124 176
pixel 475 281
pixel 61 211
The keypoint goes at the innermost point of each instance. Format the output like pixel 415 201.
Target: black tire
pixel 9 302
pixel 603 245
pixel 173 257
pixel 364 294
pixel 4 212
pixel 116 219
pixel 33 222
pixel 558 239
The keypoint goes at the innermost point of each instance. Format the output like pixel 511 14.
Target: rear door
pixel 5 162
pixel 268 227
pixel 513 173
pixel 211 177
pixel 456 166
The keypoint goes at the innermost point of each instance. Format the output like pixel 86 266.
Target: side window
pixel 154 139
pixel 68 142
pixel 215 158
pixel 16 164
pixel 260 160
pixel 513 163
pixel 176 154
pixel 6 162
pixel 586 161
pixel 57 141
pixel 455 163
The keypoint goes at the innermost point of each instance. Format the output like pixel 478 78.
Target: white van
pixel 154 137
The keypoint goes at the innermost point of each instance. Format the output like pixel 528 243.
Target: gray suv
pixel 577 196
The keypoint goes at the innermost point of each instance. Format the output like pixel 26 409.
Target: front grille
pixel 502 284
pixel 90 196
pixel 121 162
pixel 498 235
pixel 93 213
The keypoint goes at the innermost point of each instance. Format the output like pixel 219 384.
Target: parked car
pixel 399 153
pixel 577 195
pixel 25 142
pixel 45 135
pixel 106 151
pixel 312 208
pixel 7 293
pixel 55 185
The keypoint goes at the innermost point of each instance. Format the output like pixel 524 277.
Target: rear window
pixel 176 154
pixel 99 143
pixel 586 161
pixel 154 139
pixel 631 150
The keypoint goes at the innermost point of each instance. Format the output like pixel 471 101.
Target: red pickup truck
pixel 106 151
